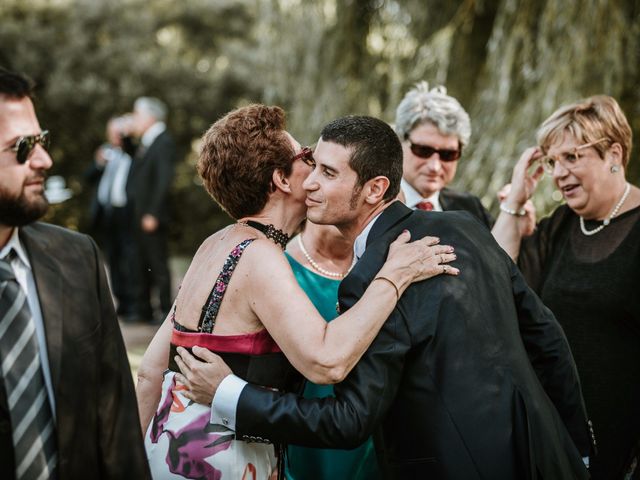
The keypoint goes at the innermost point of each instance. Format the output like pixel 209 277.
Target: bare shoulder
pixel 264 252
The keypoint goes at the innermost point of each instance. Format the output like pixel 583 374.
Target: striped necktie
pixel 33 428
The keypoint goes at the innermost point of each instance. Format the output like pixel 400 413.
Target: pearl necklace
pixel 606 221
pixel 315 265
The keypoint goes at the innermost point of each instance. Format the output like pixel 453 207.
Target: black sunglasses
pixel 25 145
pixel 306 155
pixel 426 151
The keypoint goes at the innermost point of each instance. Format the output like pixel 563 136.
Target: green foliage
pixel 91 59
pixel 510 62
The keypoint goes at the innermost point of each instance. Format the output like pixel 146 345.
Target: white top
pixel 413 198
pixel 113 183
pixel 24 275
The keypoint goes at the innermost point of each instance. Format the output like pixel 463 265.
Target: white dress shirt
pixel 24 275
pixel 413 198
pixel 113 183
pixel 225 401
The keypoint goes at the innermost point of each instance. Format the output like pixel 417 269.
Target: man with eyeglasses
pixel 67 404
pixel 433 128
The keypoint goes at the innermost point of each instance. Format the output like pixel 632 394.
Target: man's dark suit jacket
pixel 150 178
pixel 452 200
pixel 98 429
pixel 462 379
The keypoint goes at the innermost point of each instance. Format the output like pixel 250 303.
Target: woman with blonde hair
pixel 584 262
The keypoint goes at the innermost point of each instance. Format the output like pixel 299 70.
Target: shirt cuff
pixel 225 401
pixel 586 461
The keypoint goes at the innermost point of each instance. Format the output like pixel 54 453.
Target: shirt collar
pixel 152 133
pixel 413 198
pixel 360 244
pixel 15 244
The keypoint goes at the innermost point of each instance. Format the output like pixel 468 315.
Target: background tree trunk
pixel 511 63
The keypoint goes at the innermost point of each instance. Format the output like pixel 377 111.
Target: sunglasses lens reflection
pixel 24 149
pixel 426 151
pixel 27 144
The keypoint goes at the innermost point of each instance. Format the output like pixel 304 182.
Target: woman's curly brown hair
pixel 239 154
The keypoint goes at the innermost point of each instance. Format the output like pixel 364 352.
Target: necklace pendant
pixel 606 222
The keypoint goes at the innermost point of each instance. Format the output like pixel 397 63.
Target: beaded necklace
pixel 315 265
pixel 606 221
pixel 271 232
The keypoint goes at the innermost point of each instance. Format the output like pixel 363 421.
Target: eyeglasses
pixel 306 155
pixel 568 160
pixel 25 145
pixel 427 151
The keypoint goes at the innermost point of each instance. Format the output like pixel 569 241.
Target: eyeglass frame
pixel 548 168
pixel 443 153
pixel 306 155
pixel 42 138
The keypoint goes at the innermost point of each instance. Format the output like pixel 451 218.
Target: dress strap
pixel 212 305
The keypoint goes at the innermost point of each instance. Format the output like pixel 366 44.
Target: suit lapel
pixel 391 215
pixel 445 199
pixel 51 294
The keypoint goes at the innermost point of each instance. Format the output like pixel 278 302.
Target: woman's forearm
pixel 152 367
pixel 148 390
pixel 346 338
pixel 507 234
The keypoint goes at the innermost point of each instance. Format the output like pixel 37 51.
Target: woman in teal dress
pixel 320 257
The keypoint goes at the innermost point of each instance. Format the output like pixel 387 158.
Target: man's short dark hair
pixel 14 85
pixel 376 149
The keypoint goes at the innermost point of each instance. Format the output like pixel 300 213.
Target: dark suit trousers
pixel 154 271
pixel 118 243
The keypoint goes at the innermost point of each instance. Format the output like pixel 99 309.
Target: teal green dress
pixel 317 463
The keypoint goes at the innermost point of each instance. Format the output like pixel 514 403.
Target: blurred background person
pixel 320 258
pixel 434 128
pixel 111 215
pixel 148 187
pixel 584 261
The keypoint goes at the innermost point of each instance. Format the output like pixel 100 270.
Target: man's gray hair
pixel 421 105
pixel 153 106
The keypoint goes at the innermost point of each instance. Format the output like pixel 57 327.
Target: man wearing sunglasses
pixel 433 128
pixel 67 404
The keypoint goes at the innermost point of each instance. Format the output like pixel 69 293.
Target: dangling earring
pixel 615 168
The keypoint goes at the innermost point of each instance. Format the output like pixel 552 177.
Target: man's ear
pixel 375 189
pixel 280 180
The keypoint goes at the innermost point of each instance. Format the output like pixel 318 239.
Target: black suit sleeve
pixel 93 173
pixel 345 421
pixel 161 177
pixel 452 200
pixel 551 357
pixel 121 451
